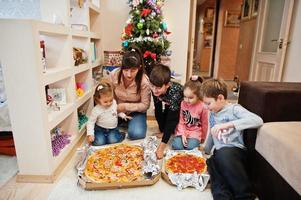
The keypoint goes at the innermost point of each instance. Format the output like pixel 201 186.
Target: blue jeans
pixel 106 136
pixel 136 126
pixel 191 143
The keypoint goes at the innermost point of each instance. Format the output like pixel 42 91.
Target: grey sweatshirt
pixel 241 118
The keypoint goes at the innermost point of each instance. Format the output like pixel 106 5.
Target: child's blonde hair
pixel 195 84
pixel 213 87
pixel 103 88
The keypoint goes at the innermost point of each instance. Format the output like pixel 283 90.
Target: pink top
pixel 193 121
pixel 128 96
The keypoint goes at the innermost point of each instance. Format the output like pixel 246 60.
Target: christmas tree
pixel 146 30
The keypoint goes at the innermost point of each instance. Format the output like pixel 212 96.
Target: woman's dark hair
pixel 132 58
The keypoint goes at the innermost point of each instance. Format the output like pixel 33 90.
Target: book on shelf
pixel 93 51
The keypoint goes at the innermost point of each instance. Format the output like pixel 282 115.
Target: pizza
pixel 118 163
pixel 185 163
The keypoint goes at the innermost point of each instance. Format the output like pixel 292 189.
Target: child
pixel 193 125
pixel 167 99
pixel 227 165
pixel 102 125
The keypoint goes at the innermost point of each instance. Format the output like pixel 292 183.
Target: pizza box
pixel 107 186
pixel 151 167
pixel 204 177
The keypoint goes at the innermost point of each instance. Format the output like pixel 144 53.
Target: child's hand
pixel 201 148
pixel 91 138
pixel 124 116
pixel 184 141
pixel 218 128
pixel 160 150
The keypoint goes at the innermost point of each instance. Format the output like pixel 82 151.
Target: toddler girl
pixel 102 125
pixel 193 122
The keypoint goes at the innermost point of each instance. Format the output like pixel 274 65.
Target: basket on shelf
pixel 112 58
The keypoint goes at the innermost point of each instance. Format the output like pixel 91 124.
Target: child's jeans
pixel 136 126
pixel 106 136
pixel 228 176
pixel 192 143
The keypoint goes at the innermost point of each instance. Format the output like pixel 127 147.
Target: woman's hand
pixel 121 108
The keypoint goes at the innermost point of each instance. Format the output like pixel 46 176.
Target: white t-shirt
pixel 103 117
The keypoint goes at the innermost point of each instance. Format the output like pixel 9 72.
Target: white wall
pixel 176 14
pixel 292 68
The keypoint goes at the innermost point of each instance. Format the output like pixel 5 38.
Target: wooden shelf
pixel 94 9
pixel 95 36
pixel 50 29
pixel 96 63
pixel 54 75
pixel 77 33
pixel 81 100
pixel 55 117
pixel 29 98
pixel 81 68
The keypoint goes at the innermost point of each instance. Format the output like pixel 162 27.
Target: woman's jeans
pixel 106 136
pixel 136 126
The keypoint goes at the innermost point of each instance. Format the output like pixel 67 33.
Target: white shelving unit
pixel 26 79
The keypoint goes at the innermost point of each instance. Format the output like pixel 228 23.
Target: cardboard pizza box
pixel 108 186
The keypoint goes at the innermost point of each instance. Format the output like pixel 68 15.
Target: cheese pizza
pixel 118 163
pixel 185 163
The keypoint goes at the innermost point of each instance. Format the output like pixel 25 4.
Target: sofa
pixel 274 150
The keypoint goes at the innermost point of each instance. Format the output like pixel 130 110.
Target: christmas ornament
pixel 149 53
pixel 128 29
pixel 155 35
pixel 163 26
pixel 145 12
pixel 140 25
pixel 147 31
pixel 125 43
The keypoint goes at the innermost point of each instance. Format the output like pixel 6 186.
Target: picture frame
pixel 58 95
pixel 246 10
pixel 255 6
pixel 232 18
pixel 209 13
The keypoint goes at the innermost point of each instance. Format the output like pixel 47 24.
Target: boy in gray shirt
pixel 227 165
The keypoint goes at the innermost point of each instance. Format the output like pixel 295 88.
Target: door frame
pixel 191 39
pixel 254 70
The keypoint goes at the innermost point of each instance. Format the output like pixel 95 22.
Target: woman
pixel 132 92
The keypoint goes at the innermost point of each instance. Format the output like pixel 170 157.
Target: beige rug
pixel 67 188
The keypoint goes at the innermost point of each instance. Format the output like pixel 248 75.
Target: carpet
pixel 8 168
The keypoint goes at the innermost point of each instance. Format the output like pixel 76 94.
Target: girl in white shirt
pixel 102 125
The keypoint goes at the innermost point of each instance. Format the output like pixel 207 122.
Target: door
pixel 271 40
pixel 191 38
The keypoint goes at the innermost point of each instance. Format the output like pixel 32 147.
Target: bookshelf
pixel 27 82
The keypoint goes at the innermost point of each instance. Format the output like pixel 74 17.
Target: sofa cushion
pixel 280 144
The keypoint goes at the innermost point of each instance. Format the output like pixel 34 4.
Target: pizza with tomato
pixel 118 163
pixel 185 163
